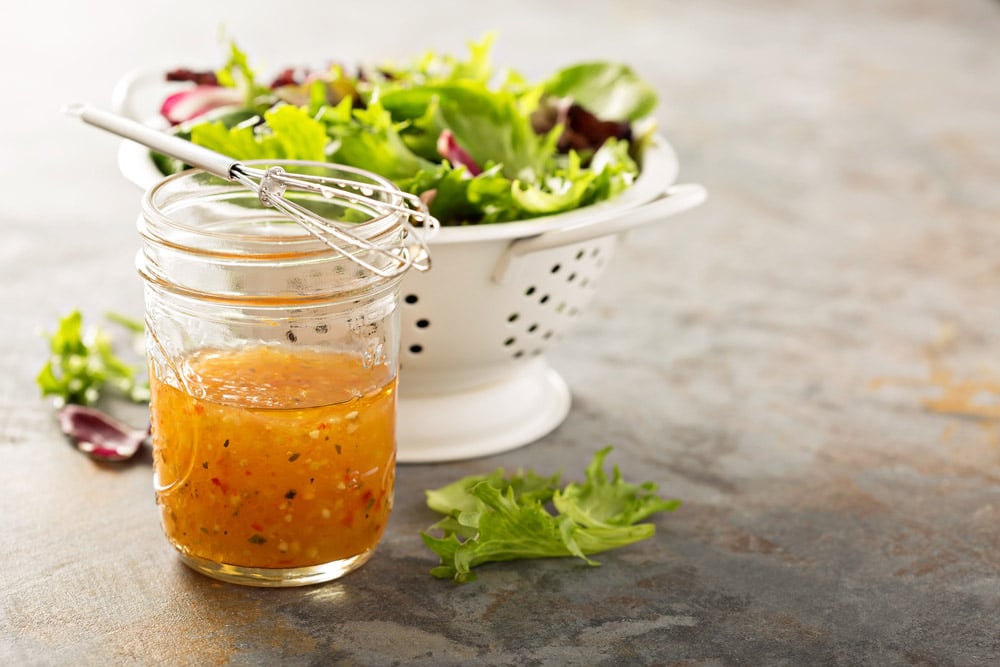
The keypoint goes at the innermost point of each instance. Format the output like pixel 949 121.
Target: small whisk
pixel 271 185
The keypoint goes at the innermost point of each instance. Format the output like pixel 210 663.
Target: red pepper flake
pixel 322 426
pixel 256 526
pixel 219 483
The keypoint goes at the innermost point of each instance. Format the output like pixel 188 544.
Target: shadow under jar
pixel 273 362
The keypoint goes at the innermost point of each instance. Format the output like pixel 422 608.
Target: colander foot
pixel 483 421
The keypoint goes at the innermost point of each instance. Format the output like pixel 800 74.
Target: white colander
pixel 473 378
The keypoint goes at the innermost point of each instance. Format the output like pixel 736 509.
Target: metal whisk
pixel 272 184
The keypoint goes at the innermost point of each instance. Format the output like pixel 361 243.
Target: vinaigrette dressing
pixel 273 458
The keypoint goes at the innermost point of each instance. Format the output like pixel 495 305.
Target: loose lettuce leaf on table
pixel 83 363
pixel 603 503
pixel 455 497
pixel 493 518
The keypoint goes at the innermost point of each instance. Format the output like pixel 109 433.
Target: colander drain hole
pixel 422 323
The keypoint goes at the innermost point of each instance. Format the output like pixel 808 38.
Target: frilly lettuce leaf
pixel 237 73
pixel 524 485
pixel 371 140
pixel 602 503
pixel 493 518
pixel 573 186
pixel 290 134
pixel 434 68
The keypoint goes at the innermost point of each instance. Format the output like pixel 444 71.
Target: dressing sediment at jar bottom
pixel 274 458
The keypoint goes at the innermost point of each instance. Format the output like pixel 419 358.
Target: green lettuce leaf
pixel 484 198
pixel 493 518
pixel 526 486
pixel 237 73
pixel 611 91
pixel 600 502
pixel 573 186
pixel 434 68
pixel 370 139
pixel 83 363
pixel 290 134
pixel 490 125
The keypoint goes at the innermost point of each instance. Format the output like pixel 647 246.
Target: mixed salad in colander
pixel 477 145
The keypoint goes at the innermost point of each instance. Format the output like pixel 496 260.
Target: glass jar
pixel 273 362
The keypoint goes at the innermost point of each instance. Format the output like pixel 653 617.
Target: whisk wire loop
pixel 272 186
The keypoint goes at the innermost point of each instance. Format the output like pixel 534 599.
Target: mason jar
pixel 273 361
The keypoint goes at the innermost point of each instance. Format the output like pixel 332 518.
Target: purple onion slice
pixel 100 436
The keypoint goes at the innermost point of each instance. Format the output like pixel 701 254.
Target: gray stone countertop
pixel 810 361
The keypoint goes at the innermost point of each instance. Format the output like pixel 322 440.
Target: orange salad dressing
pixel 273 458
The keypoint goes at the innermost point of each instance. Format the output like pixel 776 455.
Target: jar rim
pixel 381 222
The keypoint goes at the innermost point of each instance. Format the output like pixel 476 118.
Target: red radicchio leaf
pixel 585 130
pixel 202 78
pixel 449 149
pixel 98 435
pixel 582 130
pixel 188 104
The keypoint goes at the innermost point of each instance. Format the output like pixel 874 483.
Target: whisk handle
pixel 189 153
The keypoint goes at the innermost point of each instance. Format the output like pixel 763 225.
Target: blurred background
pixel 851 151
pixel 843 143
pixel 779 107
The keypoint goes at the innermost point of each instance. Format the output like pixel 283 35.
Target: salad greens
pixel 480 146
pixel 82 363
pixel 495 517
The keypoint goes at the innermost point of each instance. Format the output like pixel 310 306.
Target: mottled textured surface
pixel 811 361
